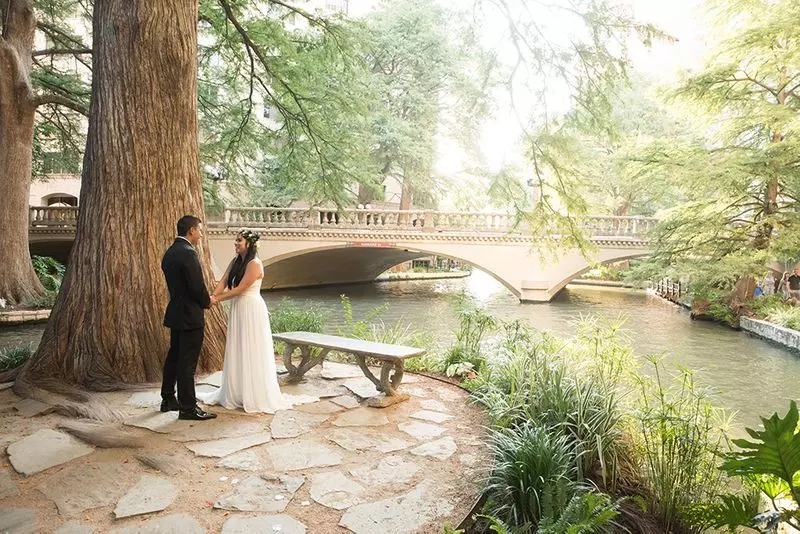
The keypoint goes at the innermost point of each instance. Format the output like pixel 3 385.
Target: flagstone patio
pixel 328 466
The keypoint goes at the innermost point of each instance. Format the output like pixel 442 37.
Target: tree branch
pixel 61 101
pixel 61 51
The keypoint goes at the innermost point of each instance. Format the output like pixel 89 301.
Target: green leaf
pixel 775 451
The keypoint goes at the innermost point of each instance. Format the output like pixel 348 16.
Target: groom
pixel 184 317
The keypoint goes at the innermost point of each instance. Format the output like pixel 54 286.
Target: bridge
pixel 303 247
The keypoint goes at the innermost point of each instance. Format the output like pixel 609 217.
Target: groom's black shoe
pixel 196 415
pixel 170 405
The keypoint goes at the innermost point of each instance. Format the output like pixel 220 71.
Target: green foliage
pixel 586 512
pixel 738 182
pixel 682 436
pixel 475 323
pixel 784 315
pixel 533 473
pixel 49 271
pixel 774 451
pixel 12 357
pixel 290 317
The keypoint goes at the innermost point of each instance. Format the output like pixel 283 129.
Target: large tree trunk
pixel 140 174
pixel 18 281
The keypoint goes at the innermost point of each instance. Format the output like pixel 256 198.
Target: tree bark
pixel 18 281
pixel 140 174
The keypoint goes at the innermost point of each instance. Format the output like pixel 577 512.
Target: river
pixel 751 376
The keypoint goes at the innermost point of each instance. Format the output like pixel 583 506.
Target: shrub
pixel 46 301
pixel 49 271
pixel 289 317
pixel 12 357
pixel 682 436
pixel 474 325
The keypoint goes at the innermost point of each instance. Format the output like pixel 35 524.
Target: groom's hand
pixel 214 300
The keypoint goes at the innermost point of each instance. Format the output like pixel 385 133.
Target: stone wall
pixel 784 336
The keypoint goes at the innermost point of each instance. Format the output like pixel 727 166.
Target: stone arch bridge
pixel 306 247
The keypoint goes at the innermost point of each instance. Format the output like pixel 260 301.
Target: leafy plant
pixel 474 325
pixel 682 438
pixel 46 301
pixel 12 357
pixel 289 317
pixel 771 463
pixel 49 271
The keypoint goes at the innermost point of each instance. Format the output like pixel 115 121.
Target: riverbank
pixel 602 283
pixel 408 275
pixel 783 336
pixel 22 317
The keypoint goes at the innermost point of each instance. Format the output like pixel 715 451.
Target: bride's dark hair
pixel 239 263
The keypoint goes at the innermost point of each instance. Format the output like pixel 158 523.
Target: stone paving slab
pixel 346 401
pixel 335 370
pixel 214 379
pixel 204 431
pixel 434 405
pixel 150 494
pixel 334 490
pixel 405 513
pixel 171 524
pixel 19 520
pixel 354 439
pixel 422 431
pixel 267 493
pixel 244 461
pixel 163 423
pixel 225 446
pixel 441 448
pixel 100 484
pixel 152 398
pixel 324 407
pixel 452 395
pixel 362 417
pixel 44 449
pixel 291 423
pixel 433 417
pixel 8 486
pixel 32 408
pixel 282 524
pixel 390 470
pixel 319 388
pixel 74 527
pixel 362 387
pixel 303 454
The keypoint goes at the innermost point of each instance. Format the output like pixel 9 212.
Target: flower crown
pixel 250 236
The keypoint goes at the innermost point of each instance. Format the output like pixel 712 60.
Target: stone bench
pixel 314 348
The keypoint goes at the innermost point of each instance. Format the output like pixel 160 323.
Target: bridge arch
pixel 589 266
pixel 345 263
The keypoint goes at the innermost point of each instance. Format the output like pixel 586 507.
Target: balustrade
pixel 376 219
pixel 53 216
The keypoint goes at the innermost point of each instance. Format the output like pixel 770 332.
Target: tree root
pixel 66 399
pixel 105 436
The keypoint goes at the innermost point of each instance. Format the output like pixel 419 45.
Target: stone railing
pixel 418 220
pixel 52 216
pixel 372 219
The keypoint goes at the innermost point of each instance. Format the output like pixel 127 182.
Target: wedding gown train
pixel 249 377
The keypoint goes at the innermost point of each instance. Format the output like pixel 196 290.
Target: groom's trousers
pixel 180 366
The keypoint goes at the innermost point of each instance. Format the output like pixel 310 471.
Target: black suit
pixel 188 297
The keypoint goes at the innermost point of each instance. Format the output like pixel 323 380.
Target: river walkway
pixel 331 465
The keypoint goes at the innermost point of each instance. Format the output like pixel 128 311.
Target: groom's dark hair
pixel 186 223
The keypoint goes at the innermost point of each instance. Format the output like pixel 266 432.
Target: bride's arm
pixel 223 283
pixel 252 274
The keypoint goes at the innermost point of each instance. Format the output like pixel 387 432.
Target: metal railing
pixel 374 219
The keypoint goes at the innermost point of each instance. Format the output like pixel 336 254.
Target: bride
pixel 249 378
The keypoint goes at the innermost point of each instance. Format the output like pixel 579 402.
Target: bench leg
pixel 389 384
pixel 308 360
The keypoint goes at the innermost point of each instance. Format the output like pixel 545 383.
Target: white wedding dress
pixel 249 377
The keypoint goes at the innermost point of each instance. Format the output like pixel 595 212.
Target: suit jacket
pixel 188 295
